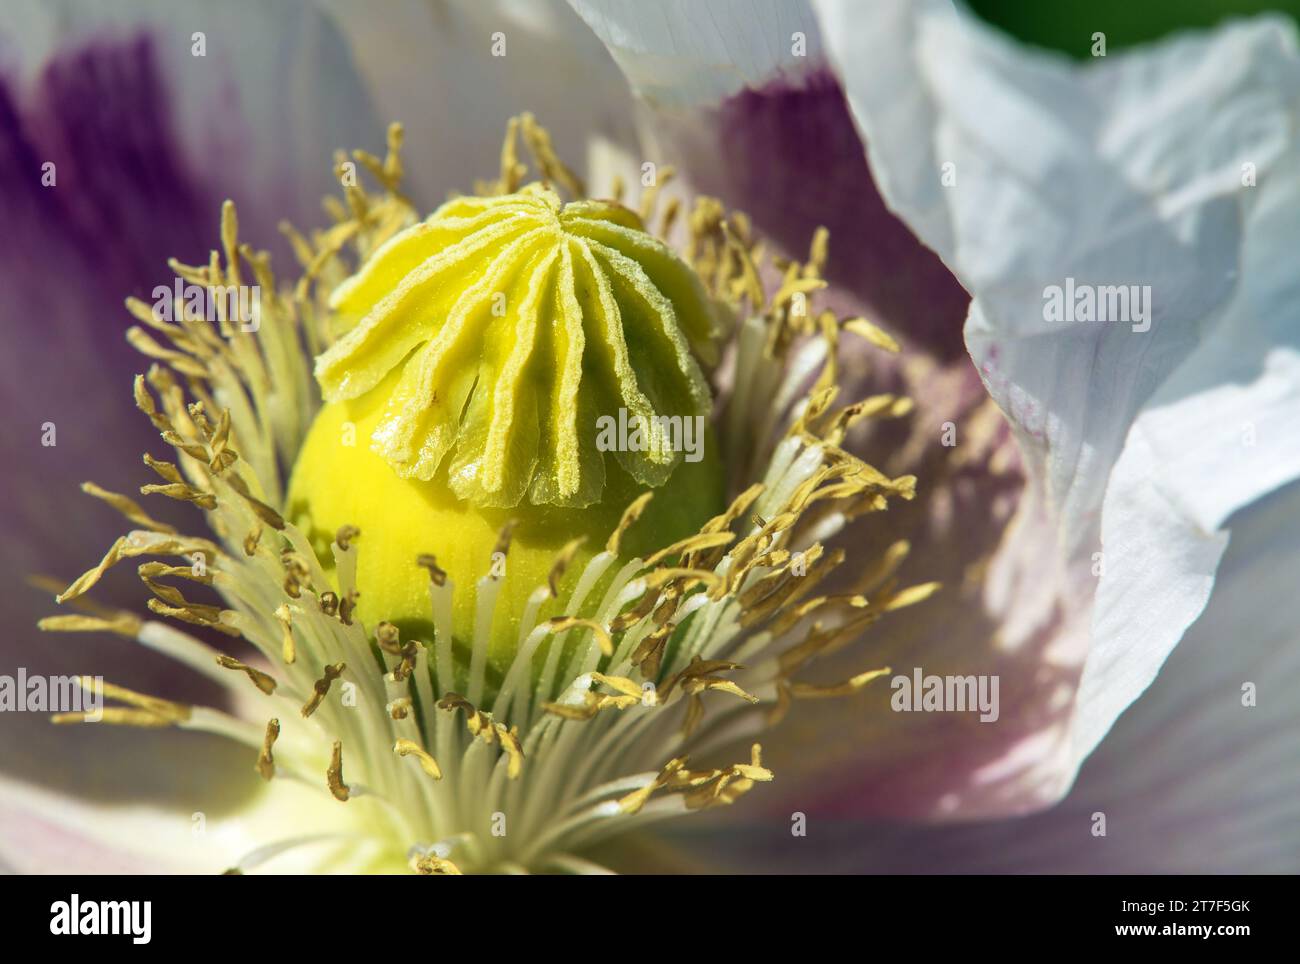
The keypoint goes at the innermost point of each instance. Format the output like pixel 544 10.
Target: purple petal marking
pixel 124 200
pixel 788 154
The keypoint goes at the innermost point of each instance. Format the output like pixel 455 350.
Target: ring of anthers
pixel 572 751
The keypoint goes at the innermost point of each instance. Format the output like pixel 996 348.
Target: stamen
pixel 552 168
pixel 701 788
pixel 263 511
pixel 561 624
pixel 482 725
pixel 197 614
pixel 334 775
pixel 263 681
pixel 265 761
pixel 865 329
pixel 148 711
pixel 431 865
pixel 847 688
pixel 347 606
pixel 128 508
pixel 167 470
pixel 502 546
pixel 322 688
pixel 436 575
pixel 126 624
pixel 630 515
pixel 695 543
pixel 649 653
pixel 427 763
pixel 562 560
pixel 288 650
pixel 629 694
pixel 665 175
pixel 182 493
pixel 398 709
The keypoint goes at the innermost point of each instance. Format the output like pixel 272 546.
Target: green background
pixel 1068 25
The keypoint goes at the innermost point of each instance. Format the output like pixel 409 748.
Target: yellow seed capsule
pixel 517 323
pixel 509 359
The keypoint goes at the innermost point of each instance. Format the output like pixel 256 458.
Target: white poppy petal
pixel 260 95
pixel 1219 434
pixel 1109 173
pixel 454 73
pixel 685 54
pixel 169 801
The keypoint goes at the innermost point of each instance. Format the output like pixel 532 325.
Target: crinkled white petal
pixel 682 53
pixel 1127 170
pixel 1219 434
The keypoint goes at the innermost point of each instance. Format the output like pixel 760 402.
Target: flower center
pixel 465 721
pixel 478 353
